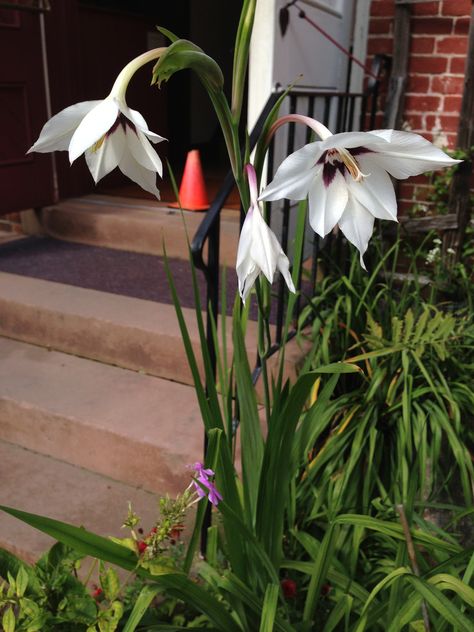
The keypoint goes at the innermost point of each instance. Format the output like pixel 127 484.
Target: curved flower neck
pixel 253 187
pixel 317 127
pixel 123 79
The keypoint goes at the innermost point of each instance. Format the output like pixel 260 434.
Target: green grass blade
pixel 269 608
pixel 250 431
pixel 144 599
pixel 341 609
pixel 91 544
pixel 439 602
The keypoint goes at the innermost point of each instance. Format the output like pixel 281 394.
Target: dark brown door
pixel 26 181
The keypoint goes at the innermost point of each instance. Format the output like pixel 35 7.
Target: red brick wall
pixel 439 31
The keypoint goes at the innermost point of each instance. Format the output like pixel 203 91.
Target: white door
pixel 302 55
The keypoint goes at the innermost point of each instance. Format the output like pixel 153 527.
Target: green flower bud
pixel 183 54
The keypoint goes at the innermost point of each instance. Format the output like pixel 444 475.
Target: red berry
pixel 289 588
pixel 141 544
pixel 97 593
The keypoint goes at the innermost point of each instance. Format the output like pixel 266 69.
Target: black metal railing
pixel 340 111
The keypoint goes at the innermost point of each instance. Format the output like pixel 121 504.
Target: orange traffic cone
pixel 192 192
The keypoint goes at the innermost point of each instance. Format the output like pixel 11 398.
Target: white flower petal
pixel 295 174
pixel 245 239
pixel 92 127
pixel 357 224
pixel 143 177
pixel 266 247
pixel 142 151
pixel 137 119
pixel 259 252
pixel 349 140
pixel 132 115
pixel 407 154
pixel 58 131
pixel 375 191
pixel 327 203
pixel 108 156
pixel 247 280
pixel 283 266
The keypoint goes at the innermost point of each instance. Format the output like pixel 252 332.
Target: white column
pixel 261 59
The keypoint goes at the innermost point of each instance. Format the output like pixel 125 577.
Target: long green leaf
pixel 144 599
pixel 395 531
pixel 270 603
pixel 250 431
pixel 91 544
pixel 439 602
pixel 78 538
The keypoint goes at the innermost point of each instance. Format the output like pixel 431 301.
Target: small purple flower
pixel 202 480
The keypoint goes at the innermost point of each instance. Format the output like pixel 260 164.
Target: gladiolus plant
pixel 267 554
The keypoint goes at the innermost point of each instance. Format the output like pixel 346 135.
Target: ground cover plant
pixel 328 519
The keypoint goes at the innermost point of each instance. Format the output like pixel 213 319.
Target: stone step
pixel 140 226
pixel 128 332
pixel 40 484
pixel 119 330
pixel 134 428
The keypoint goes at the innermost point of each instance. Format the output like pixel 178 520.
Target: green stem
pixel 241 56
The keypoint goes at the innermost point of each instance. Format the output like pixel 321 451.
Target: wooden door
pixel 26 181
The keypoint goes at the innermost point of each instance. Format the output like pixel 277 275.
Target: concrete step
pixel 139 226
pixel 119 330
pixel 128 332
pixel 134 428
pixel 39 484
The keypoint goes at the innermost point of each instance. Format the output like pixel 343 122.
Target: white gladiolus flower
pixel 259 250
pixel 109 133
pixel 347 178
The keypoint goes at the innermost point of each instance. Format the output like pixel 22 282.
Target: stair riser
pixel 154 353
pixel 45 486
pixel 153 467
pixel 133 229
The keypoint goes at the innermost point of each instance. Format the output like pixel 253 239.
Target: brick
pixel 413 122
pixel 426 8
pixel 457 65
pixel 432 26
pixel 422 103
pixel 419 84
pixel 422 44
pixel 461 26
pixel 442 123
pixel 456 45
pixel 382 8
pixel 452 140
pixel 380 26
pixel 405 190
pixel 456 7
pixel 447 84
pixel 380 45
pixel 421 179
pixel 452 104
pixel 404 207
pixel 427 64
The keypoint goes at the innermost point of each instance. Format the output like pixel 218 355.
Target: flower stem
pixel 123 79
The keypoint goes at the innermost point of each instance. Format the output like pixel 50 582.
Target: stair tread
pixel 40 484
pixel 133 333
pixel 133 427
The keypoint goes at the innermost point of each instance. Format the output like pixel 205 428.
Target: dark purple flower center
pixel 124 122
pixel 334 160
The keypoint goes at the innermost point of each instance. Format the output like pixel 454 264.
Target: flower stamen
pixel 351 165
